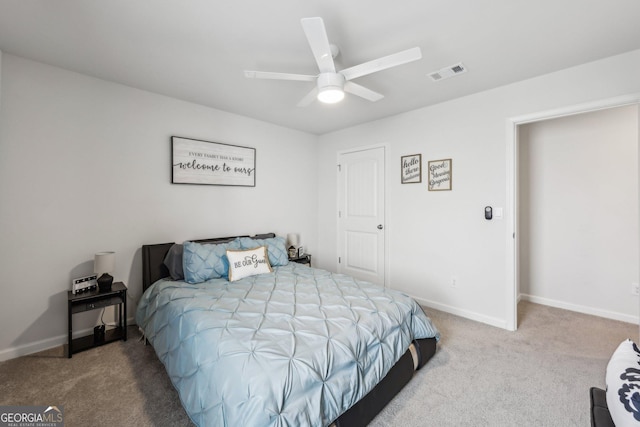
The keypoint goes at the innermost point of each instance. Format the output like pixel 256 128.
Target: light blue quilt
pixel 296 347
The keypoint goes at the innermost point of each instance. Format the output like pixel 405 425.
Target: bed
pixel 294 346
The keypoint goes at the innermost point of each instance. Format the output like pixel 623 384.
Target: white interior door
pixel 361 233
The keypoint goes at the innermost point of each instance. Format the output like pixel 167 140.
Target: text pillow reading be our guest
pixel 248 263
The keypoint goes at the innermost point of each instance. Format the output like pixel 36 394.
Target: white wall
pixel 579 212
pixel 0 82
pixel 436 235
pixel 85 167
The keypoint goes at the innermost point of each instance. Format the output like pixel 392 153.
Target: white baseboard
pixel 501 323
pixel 581 309
pixel 34 347
pixel 471 315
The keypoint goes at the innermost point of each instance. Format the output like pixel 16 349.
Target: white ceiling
pixel 196 50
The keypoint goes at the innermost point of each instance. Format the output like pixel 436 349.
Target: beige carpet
pixel 480 376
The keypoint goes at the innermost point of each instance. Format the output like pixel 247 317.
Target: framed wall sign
pixel 411 169
pixel 440 174
pixel 211 163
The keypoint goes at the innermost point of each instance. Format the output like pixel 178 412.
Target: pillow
pixel 248 263
pixel 204 261
pixel 276 248
pixel 623 385
pixel 173 262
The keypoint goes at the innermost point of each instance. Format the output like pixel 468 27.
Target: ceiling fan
pixel 331 84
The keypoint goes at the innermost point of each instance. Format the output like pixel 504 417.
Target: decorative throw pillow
pixel 276 248
pixel 204 261
pixel 623 385
pixel 248 263
pixel 173 262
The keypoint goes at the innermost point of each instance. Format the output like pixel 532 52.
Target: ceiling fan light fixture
pixel 330 88
pixel 330 95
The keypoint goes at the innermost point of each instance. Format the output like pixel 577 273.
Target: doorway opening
pixel 513 168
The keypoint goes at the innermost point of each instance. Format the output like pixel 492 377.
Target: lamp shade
pixel 104 262
pixel 293 239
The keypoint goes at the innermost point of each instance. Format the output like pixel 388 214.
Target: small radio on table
pixel 84 284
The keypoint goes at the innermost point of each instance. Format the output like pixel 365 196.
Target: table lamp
pixel 293 240
pixel 103 264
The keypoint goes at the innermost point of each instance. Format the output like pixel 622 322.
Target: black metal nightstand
pixel 77 303
pixel 304 259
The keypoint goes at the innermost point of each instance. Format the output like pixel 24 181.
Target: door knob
pixel 379 226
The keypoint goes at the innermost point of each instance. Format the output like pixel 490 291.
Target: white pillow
pixel 248 263
pixel 623 385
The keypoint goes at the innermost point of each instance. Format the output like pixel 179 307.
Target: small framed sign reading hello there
pixel 411 169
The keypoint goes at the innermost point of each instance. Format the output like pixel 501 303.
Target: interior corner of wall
pixel 0 77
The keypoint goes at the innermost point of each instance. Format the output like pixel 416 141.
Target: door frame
pixel 385 187
pixel 512 234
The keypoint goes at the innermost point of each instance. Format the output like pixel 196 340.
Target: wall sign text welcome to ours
pixel 211 163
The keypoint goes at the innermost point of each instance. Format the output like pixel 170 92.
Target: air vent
pixel 446 72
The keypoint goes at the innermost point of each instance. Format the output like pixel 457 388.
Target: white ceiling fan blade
pixel 383 63
pixel 362 92
pixel 309 98
pixel 319 43
pixel 278 76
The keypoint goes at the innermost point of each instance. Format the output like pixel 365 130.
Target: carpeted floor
pixel 480 376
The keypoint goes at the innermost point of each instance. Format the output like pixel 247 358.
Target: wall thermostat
pixel 488 213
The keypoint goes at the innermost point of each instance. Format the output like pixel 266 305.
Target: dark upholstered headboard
pixel 153 268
